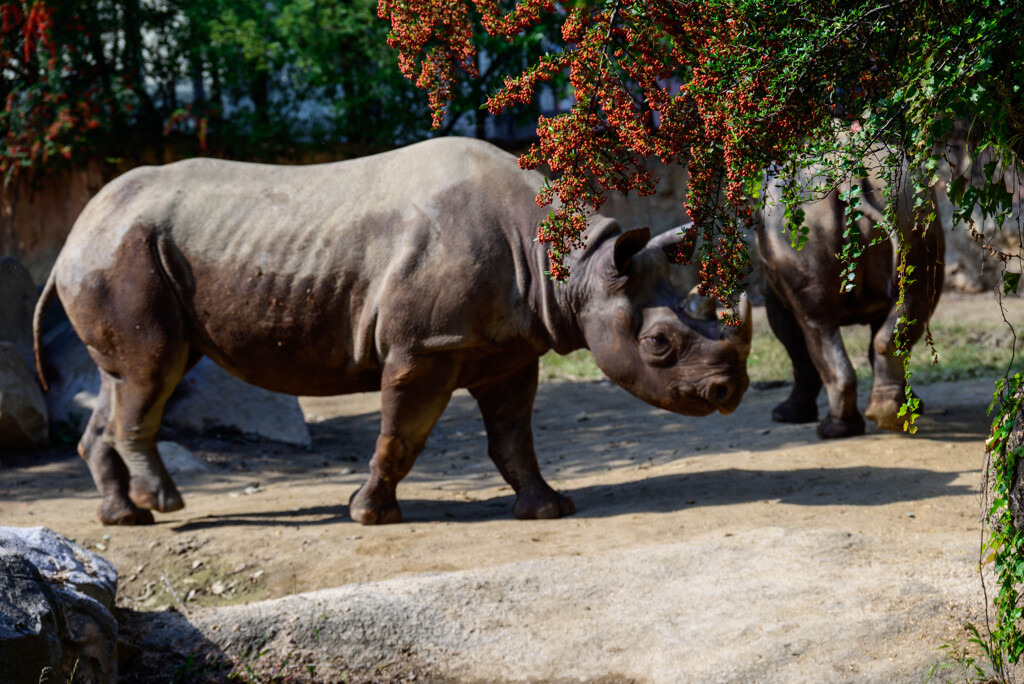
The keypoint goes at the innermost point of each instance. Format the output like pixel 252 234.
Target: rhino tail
pixel 45 299
pixel 176 271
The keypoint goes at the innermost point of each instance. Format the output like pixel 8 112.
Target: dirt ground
pixel 726 548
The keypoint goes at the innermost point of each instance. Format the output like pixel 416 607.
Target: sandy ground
pixel 726 548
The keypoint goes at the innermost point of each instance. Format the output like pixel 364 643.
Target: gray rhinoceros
pixel 807 304
pixel 414 272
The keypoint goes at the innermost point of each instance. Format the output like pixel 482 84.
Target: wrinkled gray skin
pixel 414 272
pixel 806 307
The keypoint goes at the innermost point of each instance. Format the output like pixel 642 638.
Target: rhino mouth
pixel 713 394
pixel 694 403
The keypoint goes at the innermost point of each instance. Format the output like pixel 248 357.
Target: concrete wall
pixel 36 214
pixel 37 211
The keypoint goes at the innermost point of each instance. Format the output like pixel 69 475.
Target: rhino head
pixel 667 349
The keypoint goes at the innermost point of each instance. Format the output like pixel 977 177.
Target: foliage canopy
pixel 230 77
pixel 732 87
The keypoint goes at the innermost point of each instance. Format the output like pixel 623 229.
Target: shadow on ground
pixel 861 486
pixel 604 431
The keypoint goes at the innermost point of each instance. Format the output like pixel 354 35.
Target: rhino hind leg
pixel 413 396
pixel 107 469
pixel 802 404
pixel 507 407
pixel 138 405
pixel 132 324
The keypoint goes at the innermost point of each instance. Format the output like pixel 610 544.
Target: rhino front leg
pixel 413 396
pixel 825 346
pixel 106 467
pixel 888 390
pixel 507 407
pixel 802 404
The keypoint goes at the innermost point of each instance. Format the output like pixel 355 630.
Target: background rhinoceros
pixel 807 300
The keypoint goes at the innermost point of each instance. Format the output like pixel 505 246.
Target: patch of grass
pixel 193 583
pixel 977 350
pixel 964 352
pixel 577 365
pixel 967 351
pixel 768 361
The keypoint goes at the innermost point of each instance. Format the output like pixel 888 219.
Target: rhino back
pixel 423 249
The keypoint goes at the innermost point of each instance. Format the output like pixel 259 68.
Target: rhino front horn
pixel 700 308
pixel 740 335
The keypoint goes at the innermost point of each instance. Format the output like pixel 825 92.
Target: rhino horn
pixel 699 308
pixel 674 241
pixel 740 335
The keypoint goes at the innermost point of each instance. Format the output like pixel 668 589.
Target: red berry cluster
pixel 434 39
pixel 671 78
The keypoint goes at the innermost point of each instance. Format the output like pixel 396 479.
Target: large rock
pixel 29 633
pixel 74 380
pixel 56 600
pixel 23 414
pixel 17 301
pixel 177 459
pixel 208 399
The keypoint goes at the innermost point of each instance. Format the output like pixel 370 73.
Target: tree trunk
pixel 1016 494
pixel 136 71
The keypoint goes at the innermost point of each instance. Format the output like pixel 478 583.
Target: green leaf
pixel 754 186
pixel 1010 282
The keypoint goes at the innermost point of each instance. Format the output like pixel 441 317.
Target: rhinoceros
pixel 806 302
pixel 414 272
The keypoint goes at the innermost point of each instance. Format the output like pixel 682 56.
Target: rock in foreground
pixel 55 610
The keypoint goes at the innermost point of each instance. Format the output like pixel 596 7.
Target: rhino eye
pixel 656 343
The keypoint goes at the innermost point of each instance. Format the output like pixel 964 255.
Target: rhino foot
pixel 123 513
pixel 791 411
pixel 150 485
pixel 885 412
pixel 542 503
pixel 366 509
pixel 164 497
pixel 835 428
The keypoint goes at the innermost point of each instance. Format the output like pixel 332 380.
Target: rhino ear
pixel 628 245
pixel 674 240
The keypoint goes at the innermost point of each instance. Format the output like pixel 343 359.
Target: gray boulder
pixel 17 300
pixel 56 600
pixel 23 415
pixel 177 459
pixel 207 399
pixel 29 631
pixel 74 380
